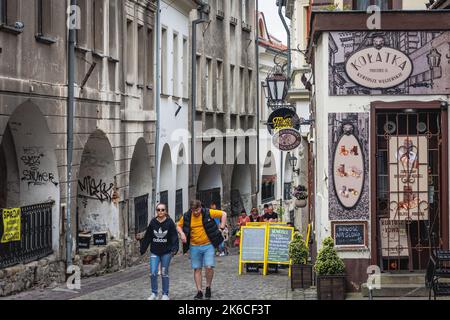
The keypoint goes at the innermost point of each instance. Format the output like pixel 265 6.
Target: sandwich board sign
pixel 253 245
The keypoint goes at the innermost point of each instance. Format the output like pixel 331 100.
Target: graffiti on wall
pixel 94 189
pixel 33 174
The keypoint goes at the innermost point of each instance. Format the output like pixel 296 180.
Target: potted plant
pixel 330 270
pixel 301 271
pixel 301 194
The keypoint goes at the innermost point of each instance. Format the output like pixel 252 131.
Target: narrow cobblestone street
pixel 134 284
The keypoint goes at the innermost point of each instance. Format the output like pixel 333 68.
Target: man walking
pixel 201 235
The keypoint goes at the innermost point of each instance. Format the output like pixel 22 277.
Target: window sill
pixel 82 49
pixel 129 83
pixel 10 29
pixel 98 54
pixel 112 59
pixel 45 39
pixel 149 87
pixel 140 86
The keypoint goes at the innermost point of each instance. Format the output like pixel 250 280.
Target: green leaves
pixel 328 261
pixel 298 251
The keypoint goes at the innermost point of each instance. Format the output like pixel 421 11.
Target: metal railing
pixel 35 236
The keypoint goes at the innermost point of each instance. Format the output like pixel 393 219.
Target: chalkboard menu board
pixel 279 238
pixel 349 234
pixel 253 244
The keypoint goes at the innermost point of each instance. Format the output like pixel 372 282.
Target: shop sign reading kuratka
pixel 378 67
pixel 287 139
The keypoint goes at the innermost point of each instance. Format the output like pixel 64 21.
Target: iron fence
pixel 35 236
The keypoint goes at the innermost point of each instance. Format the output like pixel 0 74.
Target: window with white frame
pixel 209 84
pixel 164 69
pixel 219 85
pixel 175 63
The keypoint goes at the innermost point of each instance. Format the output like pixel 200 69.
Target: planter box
pixel 331 287
pixel 301 276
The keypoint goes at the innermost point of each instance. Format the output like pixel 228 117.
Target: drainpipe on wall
pixel 194 91
pixel 158 99
pixel 280 4
pixel 69 119
pixel 257 100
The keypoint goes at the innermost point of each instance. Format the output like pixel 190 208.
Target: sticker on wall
pixel 348 165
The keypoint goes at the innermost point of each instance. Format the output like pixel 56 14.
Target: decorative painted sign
pixel 348 166
pixel 378 67
pixel 283 118
pixel 11 225
pixel 389 63
pixel 394 239
pixel 350 234
pixel 287 139
pixel 408 177
pixel 278 244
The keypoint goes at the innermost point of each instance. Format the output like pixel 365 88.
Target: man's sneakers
pixel 165 297
pixel 152 297
pixel 208 293
pixel 199 296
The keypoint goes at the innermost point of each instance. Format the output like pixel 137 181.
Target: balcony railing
pixel 220 14
pixel 246 27
pixel 233 21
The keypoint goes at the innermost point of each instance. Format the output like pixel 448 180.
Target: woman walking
pixel 162 237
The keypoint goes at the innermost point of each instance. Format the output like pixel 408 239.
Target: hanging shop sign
pixel 283 118
pixel 379 67
pixel 287 139
pixel 408 177
pixel 11 225
pixel 394 239
pixel 348 168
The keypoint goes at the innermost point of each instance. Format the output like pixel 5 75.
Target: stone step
pixel 403 278
pixel 397 290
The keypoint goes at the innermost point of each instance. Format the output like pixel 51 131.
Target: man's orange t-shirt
pixel 198 233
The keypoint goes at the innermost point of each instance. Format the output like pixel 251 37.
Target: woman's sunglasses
pixel 159 210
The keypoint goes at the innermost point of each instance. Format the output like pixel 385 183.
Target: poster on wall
pixel 394 239
pixel 408 177
pixel 11 225
pixel 389 63
pixel 348 166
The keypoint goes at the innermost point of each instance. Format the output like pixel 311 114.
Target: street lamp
pixel 293 162
pixel 434 61
pixel 277 86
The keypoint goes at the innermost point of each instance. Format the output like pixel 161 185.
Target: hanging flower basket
pixel 300 203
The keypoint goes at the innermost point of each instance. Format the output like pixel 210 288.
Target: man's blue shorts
pixel 203 256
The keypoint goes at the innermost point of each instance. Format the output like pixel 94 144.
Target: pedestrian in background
pixel 162 237
pixel 254 215
pixel 200 234
pixel 270 215
pixel 242 221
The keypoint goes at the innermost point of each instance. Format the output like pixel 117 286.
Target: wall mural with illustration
pixel 389 63
pixel 348 166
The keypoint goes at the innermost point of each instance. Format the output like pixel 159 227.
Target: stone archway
pixel 209 185
pixel 28 165
pixel 96 210
pixel 269 179
pixel 182 182
pixel 166 174
pixel 140 189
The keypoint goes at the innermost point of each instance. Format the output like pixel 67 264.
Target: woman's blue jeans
pixel 154 262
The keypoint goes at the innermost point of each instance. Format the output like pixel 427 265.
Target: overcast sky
pixel 274 24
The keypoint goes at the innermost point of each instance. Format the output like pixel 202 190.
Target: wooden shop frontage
pixel 380 104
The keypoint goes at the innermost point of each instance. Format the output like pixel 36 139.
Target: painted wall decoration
pixel 348 166
pixel 389 63
pixel 394 239
pixel 408 177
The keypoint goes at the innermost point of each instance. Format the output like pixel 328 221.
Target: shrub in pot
pixel 301 272
pixel 330 270
pixel 301 194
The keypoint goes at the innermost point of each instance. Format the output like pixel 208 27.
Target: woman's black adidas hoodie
pixel 161 237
